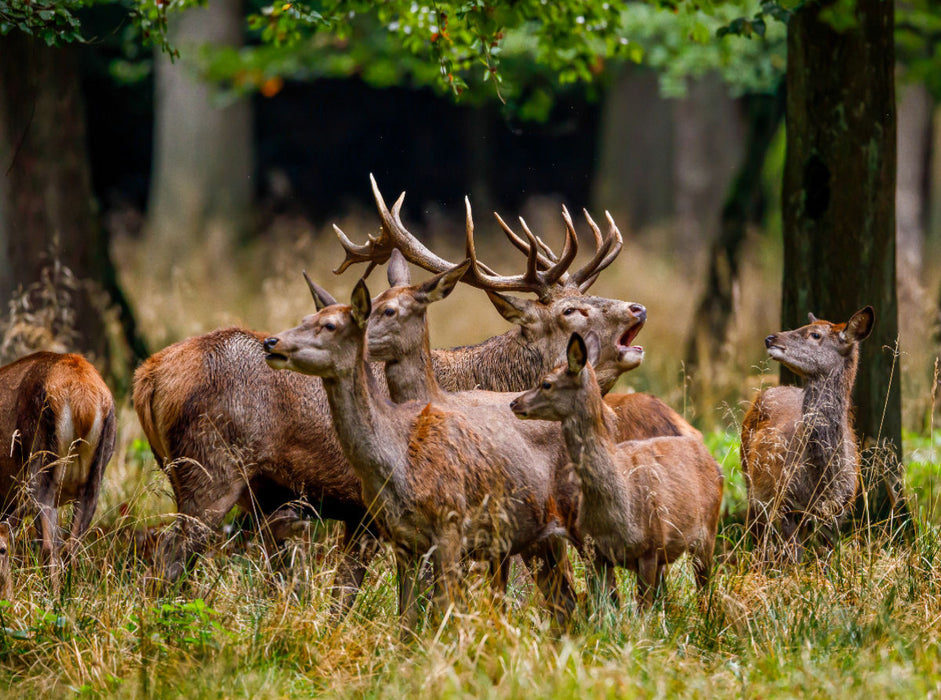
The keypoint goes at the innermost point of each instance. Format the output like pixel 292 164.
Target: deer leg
pixel 358 548
pixel 446 559
pixel 550 566
pixel 790 531
pixel 647 573
pixel 407 569
pixel 201 511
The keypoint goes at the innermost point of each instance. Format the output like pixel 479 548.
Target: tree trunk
pixel 914 134
pixel 743 206
pixel 839 213
pixel 47 208
pixel 634 179
pixel 201 192
pixel 708 137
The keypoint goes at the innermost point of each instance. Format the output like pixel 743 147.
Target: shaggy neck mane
pixel 826 415
pixel 506 362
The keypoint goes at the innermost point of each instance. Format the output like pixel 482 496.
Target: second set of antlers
pixel 545 273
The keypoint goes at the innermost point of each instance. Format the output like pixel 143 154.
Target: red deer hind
pixel 643 502
pixel 441 482
pixel 799 450
pixel 57 429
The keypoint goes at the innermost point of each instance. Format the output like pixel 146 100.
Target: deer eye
pixel 815 335
pixel 389 312
pixel 547 385
pixel 569 311
pixel 330 326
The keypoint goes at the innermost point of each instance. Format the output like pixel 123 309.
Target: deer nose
pixel 270 343
pixel 639 310
pixel 769 341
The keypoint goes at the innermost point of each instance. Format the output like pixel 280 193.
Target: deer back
pixel 57 409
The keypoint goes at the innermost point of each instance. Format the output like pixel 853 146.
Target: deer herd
pixel 351 416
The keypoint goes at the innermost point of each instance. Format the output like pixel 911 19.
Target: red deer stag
pixel 57 432
pixel 799 452
pixel 516 359
pixel 643 502
pixel 441 483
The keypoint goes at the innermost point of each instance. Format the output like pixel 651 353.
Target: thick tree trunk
pixel 839 212
pixel 743 206
pixel 47 208
pixel 201 192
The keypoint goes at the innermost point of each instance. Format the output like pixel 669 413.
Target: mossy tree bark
pixel 839 212
pixel 47 206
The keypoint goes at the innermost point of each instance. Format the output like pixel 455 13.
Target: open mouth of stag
pixel 625 342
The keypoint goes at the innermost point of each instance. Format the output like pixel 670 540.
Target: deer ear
pixel 360 304
pixel 439 286
pixel 397 273
pixel 576 354
pixel 513 309
pixel 593 345
pixel 860 325
pixel 322 298
pixel 811 318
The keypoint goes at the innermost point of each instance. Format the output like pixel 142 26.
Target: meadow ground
pixel 867 624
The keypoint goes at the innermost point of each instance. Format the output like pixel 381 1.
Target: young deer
pixel 440 483
pixel 799 451
pixel 57 428
pixel 643 502
pixel 228 430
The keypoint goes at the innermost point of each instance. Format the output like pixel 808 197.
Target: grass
pixel 868 623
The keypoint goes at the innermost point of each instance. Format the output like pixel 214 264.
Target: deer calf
pixel 57 429
pixel 799 452
pixel 643 502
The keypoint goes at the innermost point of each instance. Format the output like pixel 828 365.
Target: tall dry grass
pixel 865 623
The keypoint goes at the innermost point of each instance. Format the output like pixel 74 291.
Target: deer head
pixel 821 347
pixel 397 326
pixel 562 392
pixel 326 343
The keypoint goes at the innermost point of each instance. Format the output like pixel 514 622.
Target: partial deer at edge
pixel 799 451
pixel 57 431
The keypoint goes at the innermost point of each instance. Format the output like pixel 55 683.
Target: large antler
pixel 394 235
pixel 607 248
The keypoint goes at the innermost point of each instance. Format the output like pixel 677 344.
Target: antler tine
pixel 546 250
pixel 358 253
pixel 395 235
pixel 521 245
pixel 616 243
pixel 602 246
pixel 569 251
pixel 469 245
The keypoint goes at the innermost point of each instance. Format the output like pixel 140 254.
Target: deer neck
pixel 826 411
pixel 587 434
pixel 507 362
pixel 411 377
pixel 373 440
